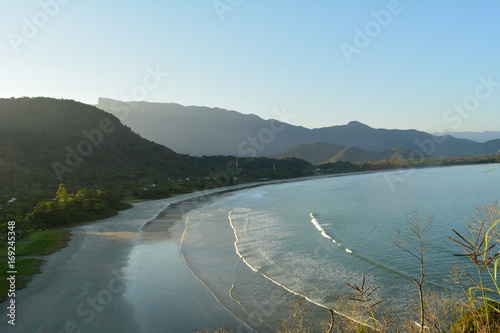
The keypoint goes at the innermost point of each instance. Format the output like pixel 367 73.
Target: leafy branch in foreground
pixel 480 248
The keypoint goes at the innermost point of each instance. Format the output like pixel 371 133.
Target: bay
pixel 255 249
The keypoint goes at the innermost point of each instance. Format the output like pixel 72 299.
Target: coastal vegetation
pixel 29 254
pixel 47 141
pixel 36 228
pixel 63 163
pixel 402 163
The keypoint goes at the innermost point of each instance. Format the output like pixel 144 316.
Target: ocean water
pixel 257 248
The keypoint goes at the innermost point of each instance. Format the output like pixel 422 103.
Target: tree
pixel 417 245
pixel 48 214
pixel 62 193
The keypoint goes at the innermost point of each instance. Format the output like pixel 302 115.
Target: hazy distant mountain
pixel 474 136
pixel 322 152
pixel 46 141
pixel 201 131
pixel 197 130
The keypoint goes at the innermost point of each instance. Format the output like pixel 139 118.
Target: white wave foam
pixel 260 272
pixel 237 240
pixel 318 226
pixel 323 233
pixel 216 297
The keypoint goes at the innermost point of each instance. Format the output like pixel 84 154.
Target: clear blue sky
pixel 407 71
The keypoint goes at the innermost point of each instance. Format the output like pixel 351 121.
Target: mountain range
pixel 474 136
pixel 199 131
pixel 46 141
pixel 323 152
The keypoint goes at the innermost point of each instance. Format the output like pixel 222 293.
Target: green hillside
pixel 323 152
pixel 315 153
pixel 356 154
pixel 47 141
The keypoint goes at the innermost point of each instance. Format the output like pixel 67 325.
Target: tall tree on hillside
pixel 62 193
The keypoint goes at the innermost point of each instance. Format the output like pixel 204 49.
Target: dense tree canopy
pixel 47 141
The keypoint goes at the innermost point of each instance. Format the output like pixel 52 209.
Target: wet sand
pixel 121 274
pixel 124 274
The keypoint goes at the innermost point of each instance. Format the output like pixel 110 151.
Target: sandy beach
pixel 125 274
pixel 121 274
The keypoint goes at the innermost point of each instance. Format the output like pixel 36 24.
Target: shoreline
pixel 73 278
pixel 86 280
pixel 164 284
pixel 74 275
pixel 98 266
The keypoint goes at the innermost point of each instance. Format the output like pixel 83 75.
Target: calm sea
pixel 257 248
